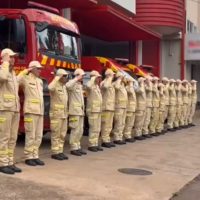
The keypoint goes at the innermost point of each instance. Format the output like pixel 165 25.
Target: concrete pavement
pixel 171 161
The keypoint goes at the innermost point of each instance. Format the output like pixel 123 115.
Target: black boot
pixel 82 152
pixel 57 157
pixel 15 169
pixel 112 144
pixel 130 140
pixel 119 142
pixel 139 138
pixel 7 170
pixel 39 162
pixel 63 156
pixel 99 148
pixel 30 162
pixel 93 149
pixel 76 153
pixel 147 136
pixel 106 144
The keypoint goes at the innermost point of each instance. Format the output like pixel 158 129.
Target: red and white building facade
pixel 143 31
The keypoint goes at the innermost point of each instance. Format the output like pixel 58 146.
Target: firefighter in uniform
pixel 155 110
pixel 140 110
pixel 121 100
pixel 177 123
pixel 185 102
pixel 33 111
pixel 94 109
pixel 76 112
pixel 58 114
pixel 172 105
pixel 160 125
pixel 194 101
pixel 130 114
pixel 165 82
pixel 108 108
pixel 9 112
pixel 148 89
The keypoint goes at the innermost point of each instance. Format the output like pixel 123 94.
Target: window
pixel 58 43
pixel 13 34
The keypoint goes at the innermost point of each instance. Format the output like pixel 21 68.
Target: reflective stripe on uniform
pixel 61 106
pixel 73 119
pixel 10 151
pixel 2 119
pixel 54 122
pixel 34 100
pixel 77 104
pixel 3 152
pixel 9 96
pixel 28 119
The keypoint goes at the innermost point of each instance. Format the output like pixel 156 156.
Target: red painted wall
pixel 160 12
pixel 151 55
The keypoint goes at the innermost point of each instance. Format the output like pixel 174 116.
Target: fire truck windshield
pixel 58 43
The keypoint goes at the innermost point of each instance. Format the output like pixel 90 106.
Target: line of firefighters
pixel 118 106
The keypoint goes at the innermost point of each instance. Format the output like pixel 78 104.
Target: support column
pixel 140 51
pixel 66 13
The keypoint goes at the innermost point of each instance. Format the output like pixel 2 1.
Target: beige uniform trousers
pixel 76 124
pixel 9 124
pixel 177 121
pixel 161 121
pixel 34 131
pixel 119 123
pixel 147 121
pixel 154 120
pixel 166 112
pixel 129 125
pixel 192 112
pixel 106 125
pixel 171 116
pixel 182 117
pixel 94 120
pixel 58 134
pixel 188 113
pixel 139 122
pixel 184 114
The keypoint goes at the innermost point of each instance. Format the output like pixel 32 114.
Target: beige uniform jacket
pixel 149 95
pixel 59 99
pixel 189 94
pixel 94 97
pixel 121 97
pixel 108 95
pixel 184 90
pixel 9 99
pixel 194 94
pixel 76 99
pixel 141 98
pixel 172 95
pixel 162 97
pixel 156 96
pixel 33 93
pixel 131 106
pixel 179 95
pixel 166 94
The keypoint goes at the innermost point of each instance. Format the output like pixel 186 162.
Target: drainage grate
pixel 137 172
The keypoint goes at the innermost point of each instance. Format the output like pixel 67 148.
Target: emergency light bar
pixel 43 7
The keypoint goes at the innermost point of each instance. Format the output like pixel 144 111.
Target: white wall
pixel 170 59
pixel 127 4
pixel 192 8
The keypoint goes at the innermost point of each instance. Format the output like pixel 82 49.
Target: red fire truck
pixel 39 33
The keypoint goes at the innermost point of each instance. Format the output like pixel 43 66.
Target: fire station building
pixel 144 32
